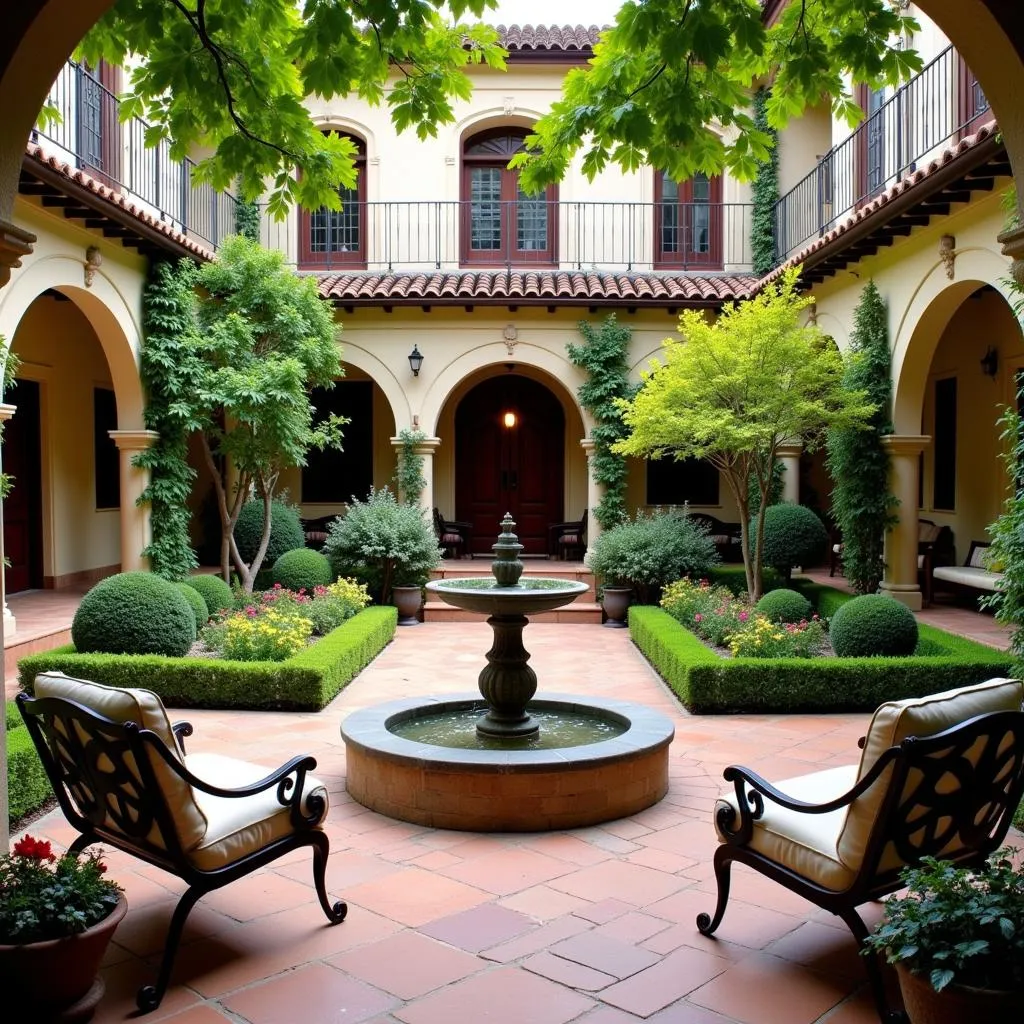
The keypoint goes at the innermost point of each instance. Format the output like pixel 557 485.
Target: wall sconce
pixel 509 420
pixel 415 361
pixel 990 362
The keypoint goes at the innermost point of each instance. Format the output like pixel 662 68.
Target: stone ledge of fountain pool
pixel 367 729
pixel 495 600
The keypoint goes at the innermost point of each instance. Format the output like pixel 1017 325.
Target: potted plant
pixel 57 915
pixel 957 939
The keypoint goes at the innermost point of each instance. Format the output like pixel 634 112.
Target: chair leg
pixel 707 925
pixel 873 964
pixel 149 996
pixel 84 840
pixel 321 849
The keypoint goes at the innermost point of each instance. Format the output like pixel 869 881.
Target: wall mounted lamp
pixel 990 362
pixel 510 420
pixel 415 361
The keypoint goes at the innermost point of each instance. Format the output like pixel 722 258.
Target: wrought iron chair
pixel 939 776
pixel 454 536
pixel 121 775
pixel 568 541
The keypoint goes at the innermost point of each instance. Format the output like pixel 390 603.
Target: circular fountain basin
pixel 519 789
pixel 483 594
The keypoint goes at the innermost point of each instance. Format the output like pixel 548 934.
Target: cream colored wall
pixel 59 349
pixel 801 144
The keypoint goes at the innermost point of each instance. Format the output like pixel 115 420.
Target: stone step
pixel 580 612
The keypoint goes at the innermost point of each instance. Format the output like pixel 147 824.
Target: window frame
pixel 970 116
pixel 687 258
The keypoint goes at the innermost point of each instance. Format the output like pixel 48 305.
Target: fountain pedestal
pixel 507 683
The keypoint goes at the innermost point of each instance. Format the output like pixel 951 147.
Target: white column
pixel 900 579
pixel 136 527
pixel 9 625
pixel 789 456
pixel 425 449
pixel 595 492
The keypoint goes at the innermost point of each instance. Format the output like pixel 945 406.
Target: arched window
pixel 337 237
pixel 500 223
pixel 688 215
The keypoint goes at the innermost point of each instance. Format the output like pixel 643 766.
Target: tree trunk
pixel 739 484
pixel 249 573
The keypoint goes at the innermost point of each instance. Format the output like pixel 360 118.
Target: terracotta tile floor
pixel 594 926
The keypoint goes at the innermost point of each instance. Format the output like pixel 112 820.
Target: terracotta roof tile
pixel 567 38
pixel 459 286
pixel 915 180
pixel 118 199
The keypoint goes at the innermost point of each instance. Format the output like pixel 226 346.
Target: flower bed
pixel 306 681
pixel 708 684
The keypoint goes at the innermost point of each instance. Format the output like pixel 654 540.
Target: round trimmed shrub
pixel 134 613
pixel 303 569
pixel 286 532
pixel 793 535
pixel 196 603
pixel 873 625
pixel 784 606
pixel 213 590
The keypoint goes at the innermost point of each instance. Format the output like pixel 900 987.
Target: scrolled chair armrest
pixel 181 730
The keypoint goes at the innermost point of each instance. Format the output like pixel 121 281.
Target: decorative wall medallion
pixel 509 105
pixel 93 262
pixel 511 336
pixel 947 253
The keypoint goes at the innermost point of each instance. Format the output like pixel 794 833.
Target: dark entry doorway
pixel 510 457
pixel 23 507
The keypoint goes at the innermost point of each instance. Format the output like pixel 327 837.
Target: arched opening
pixel 510 439
pixel 337 238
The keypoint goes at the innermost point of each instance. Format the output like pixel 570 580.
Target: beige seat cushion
pixel 804 843
pixel 892 723
pixel 146 710
pixel 240 825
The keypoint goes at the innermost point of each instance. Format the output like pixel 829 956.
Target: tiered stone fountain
pixel 508 763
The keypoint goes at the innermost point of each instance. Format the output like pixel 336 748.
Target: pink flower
pixel 698 617
pixel 743 616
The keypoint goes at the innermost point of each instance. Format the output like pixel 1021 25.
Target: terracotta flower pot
pixel 58 979
pixel 615 601
pixel 408 601
pixel 956 1004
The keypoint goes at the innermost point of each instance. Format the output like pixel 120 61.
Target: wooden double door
pixel 23 517
pixel 510 457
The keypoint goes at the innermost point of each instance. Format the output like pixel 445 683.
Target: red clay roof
pixel 119 199
pixel 579 287
pixel 567 38
pixel 916 180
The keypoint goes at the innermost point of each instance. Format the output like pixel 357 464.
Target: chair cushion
pixel 451 538
pixel 927 531
pixel 569 538
pixel 892 723
pixel 240 825
pixel 804 843
pixel 978 556
pixel 837 549
pixel 146 710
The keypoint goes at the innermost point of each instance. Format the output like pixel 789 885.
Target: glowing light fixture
pixel 510 420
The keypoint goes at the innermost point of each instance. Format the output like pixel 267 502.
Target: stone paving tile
pixel 539 938
pixel 568 972
pixel 479 928
pixel 413 896
pixel 603 953
pixel 630 882
pixel 545 903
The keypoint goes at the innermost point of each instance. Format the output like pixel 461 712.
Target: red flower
pixel 34 849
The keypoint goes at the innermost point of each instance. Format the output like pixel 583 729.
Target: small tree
pixel 263 338
pixel 735 390
pixel 862 503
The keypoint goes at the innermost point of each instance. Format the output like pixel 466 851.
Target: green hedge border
pixel 28 788
pixel 708 684
pixel 309 681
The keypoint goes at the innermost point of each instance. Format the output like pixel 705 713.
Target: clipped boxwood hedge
pixel 306 682
pixel 28 788
pixel 708 684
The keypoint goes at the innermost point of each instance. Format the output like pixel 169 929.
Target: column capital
pixel 15 242
pixel 790 450
pixel 427 446
pixel 588 444
pixel 1012 242
pixel 906 444
pixel 7 411
pixel 133 440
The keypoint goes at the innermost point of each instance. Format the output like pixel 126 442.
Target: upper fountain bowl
pixel 484 595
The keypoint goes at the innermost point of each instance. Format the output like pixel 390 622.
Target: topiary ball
pixel 196 602
pixel 286 531
pixel 213 590
pixel 873 625
pixel 134 613
pixel 793 535
pixel 785 606
pixel 302 569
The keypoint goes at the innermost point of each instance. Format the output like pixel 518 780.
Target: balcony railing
pixel 535 234
pixel 89 135
pixel 933 108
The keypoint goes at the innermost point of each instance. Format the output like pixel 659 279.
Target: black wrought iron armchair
pixel 568 540
pixel 939 776
pixel 454 536
pixel 121 775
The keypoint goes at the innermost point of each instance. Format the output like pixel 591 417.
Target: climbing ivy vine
pixel 408 476
pixel 167 319
pixel 765 192
pixel 247 219
pixel 603 356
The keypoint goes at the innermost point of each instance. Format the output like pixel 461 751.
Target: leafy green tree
pixel 603 355
pixel 262 339
pixel 670 84
pixel 764 191
pixel 862 503
pixel 230 78
pixel 735 390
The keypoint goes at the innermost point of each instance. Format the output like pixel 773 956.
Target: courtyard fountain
pixel 507 762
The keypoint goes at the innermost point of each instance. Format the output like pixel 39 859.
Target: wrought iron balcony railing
pixel 90 136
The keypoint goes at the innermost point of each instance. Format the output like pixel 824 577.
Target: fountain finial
pixel 506 565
